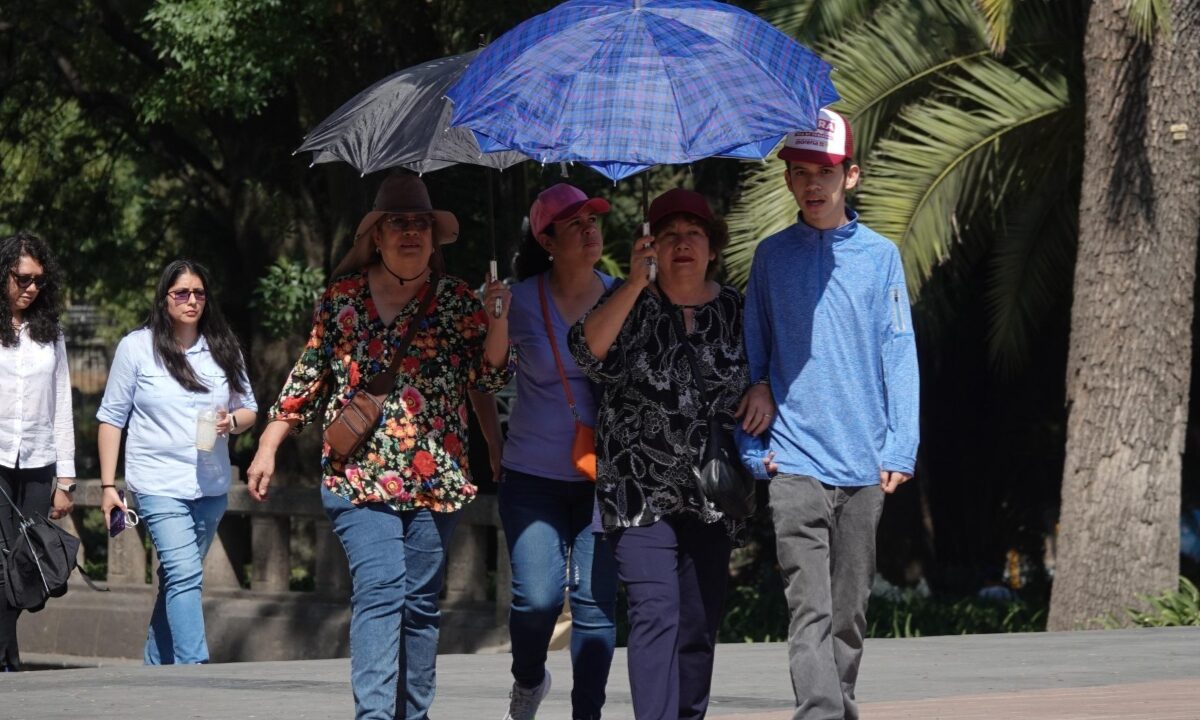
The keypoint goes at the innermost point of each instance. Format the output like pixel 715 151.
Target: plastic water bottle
pixel 206 430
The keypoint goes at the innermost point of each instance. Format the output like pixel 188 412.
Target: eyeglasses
pixel 420 223
pixel 181 296
pixel 24 281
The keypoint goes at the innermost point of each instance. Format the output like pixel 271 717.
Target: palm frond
pixel 1030 273
pixel 879 67
pixel 999 17
pixel 938 145
pixel 807 20
pixel 1149 16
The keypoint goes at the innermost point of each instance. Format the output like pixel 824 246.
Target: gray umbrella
pixel 403 121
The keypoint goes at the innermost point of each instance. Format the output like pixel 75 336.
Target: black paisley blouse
pixel 651 423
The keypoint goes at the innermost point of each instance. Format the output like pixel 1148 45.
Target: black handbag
pixel 723 479
pixel 37 561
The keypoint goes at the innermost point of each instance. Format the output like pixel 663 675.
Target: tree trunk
pixel 1131 339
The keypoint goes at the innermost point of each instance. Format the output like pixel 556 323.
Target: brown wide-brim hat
pixel 397 194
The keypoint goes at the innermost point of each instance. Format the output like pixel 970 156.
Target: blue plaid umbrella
pixel 621 85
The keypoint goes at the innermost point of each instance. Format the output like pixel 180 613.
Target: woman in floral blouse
pixel 672 547
pixel 394 503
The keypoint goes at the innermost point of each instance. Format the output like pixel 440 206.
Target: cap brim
pixel 810 156
pixel 597 205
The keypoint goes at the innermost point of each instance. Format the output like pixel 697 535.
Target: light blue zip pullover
pixel 828 324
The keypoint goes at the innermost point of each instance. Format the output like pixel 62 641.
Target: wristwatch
pixel 68 488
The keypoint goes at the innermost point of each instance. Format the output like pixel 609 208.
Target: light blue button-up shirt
pixel 160 449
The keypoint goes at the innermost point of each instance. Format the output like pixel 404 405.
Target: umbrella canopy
pixel 403 121
pixel 621 85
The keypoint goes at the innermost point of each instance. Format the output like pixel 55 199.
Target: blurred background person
pixel 37 430
pixel 178 385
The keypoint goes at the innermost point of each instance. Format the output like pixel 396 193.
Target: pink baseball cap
pixel 830 144
pixel 562 202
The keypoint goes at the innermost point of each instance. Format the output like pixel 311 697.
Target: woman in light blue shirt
pixel 183 363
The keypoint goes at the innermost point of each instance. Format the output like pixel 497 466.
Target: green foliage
pixel 220 55
pixel 286 294
pixel 757 614
pixel 921 617
pixel 1172 608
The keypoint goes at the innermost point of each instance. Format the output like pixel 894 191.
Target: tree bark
pixel 1131 340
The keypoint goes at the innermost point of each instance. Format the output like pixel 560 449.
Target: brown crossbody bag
pixel 583 448
pixel 357 419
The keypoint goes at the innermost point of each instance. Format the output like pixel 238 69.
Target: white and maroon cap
pixel 830 144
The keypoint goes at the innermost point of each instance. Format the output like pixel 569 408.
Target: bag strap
pixel 429 292
pixel 16 509
pixel 562 374
pixel 681 332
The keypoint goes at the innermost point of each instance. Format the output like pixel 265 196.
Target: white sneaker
pixel 523 702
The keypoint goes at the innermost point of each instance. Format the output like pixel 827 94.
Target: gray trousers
pixel 825 538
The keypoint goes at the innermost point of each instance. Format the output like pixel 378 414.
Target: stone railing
pixel 268 621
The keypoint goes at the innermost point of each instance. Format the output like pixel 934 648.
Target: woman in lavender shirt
pixel 546 505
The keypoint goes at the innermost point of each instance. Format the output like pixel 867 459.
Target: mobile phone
pixel 116 519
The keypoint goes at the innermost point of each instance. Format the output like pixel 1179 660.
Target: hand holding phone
pixel 119 519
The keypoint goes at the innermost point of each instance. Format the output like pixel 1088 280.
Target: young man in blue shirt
pixel 832 355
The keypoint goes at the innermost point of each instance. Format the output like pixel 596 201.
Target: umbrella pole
pixel 646 219
pixel 491 203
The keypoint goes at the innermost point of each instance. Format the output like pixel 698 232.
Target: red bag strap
pixel 562 374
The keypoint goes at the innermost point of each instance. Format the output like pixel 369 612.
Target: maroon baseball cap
pixel 562 202
pixel 679 200
pixel 829 144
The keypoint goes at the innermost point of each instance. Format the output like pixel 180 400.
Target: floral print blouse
pixel 417 457
pixel 652 423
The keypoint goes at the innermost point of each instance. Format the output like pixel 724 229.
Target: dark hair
pixel 222 343
pixel 532 259
pixel 43 314
pixel 716 230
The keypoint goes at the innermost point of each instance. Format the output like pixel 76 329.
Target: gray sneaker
pixel 523 702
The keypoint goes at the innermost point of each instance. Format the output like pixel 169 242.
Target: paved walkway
pixel 1141 674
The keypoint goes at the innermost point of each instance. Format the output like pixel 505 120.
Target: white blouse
pixel 36 425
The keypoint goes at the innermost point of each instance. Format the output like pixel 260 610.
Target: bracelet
pixel 233 422
pixel 762 381
pixel 113 486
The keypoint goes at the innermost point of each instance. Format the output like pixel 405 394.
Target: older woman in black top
pixel 672 548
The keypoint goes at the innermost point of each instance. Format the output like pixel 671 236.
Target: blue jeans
pixel 182 531
pixel 548 527
pixel 397 565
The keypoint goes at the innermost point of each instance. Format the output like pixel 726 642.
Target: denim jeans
pixel 825 540
pixel 397 565
pixel 182 531
pixel 548 528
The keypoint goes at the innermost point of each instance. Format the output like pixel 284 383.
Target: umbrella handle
pixel 652 273
pixel 499 306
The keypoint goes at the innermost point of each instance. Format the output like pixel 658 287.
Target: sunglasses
pixel 420 223
pixel 181 296
pixel 24 281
